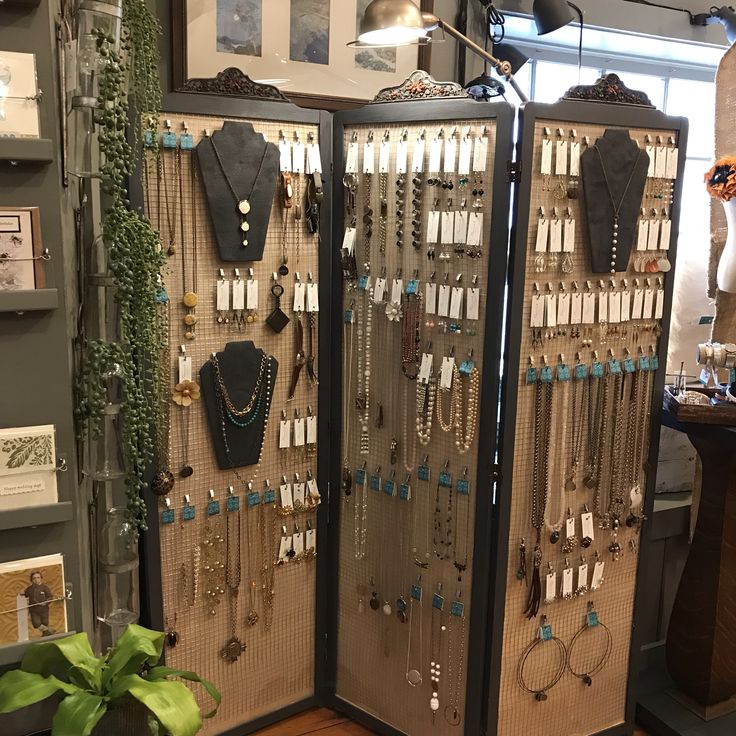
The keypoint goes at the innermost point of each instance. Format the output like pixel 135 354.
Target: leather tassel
pixel 535 591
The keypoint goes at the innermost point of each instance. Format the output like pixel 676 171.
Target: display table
pixel 701 650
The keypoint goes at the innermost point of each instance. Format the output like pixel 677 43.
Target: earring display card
pixel 19 95
pixel 21 261
pixel 590 352
pixel 27 466
pixel 416 285
pixel 236 611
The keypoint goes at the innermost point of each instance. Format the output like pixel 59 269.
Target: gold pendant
pixel 232 650
pixel 189 299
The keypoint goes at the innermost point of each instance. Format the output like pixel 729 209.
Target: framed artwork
pixel 21 254
pixel 32 599
pixel 27 466
pixel 19 95
pixel 298 46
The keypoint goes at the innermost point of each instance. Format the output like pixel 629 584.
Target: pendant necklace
pixel 617 207
pixel 163 481
pixel 252 617
pixel 616 503
pixel 426 394
pixel 367 219
pixel 170 211
pixel 557 445
pixel 579 402
pixel 233 646
pixel 466 409
pixel 287 194
pixel 414 674
pixel 360 513
pixel 436 635
pixel 409 443
pixel 243 203
pixel 190 298
pixel 543 395
pixel 348 335
pixel 641 411
pixel 411 336
pixel 457 611
pixel 268 568
pixel 421 520
pixel 595 400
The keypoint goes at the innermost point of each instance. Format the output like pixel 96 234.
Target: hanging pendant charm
pixel 232 650
pixel 252 618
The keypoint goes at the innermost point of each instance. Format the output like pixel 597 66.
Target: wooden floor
pixel 323 722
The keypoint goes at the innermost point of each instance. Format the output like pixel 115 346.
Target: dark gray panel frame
pixel 595 113
pixel 496 255
pixel 191 103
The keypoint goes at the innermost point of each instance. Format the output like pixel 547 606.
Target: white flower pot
pixel 727 264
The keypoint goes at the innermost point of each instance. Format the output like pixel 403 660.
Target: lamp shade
pixel 549 15
pixel 507 52
pixel 391 23
pixel 485 87
pixel 728 18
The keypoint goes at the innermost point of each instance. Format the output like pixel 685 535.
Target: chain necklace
pixel 616 503
pixel 452 711
pixel 410 455
pixel 543 395
pixel 367 219
pixel 163 481
pixel 170 211
pixel 446 426
pixel 426 393
pixel 561 399
pixel 579 402
pixel 360 517
pixel 298 210
pixel 268 568
pixel 594 429
pixel 347 327
pixel 444 538
pixel 365 419
pixel 435 668
pixel 242 203
pixel 190 296
pixel 617 207
pixel 411 336
pixel 465 430
pixel 383 212
pixel 611 389
pixel 232 409
pixel 233 646
pixel 414 674
pixel 252 618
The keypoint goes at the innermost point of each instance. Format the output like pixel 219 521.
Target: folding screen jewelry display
pixel 238 567
pixel 415 263
pixel 589 352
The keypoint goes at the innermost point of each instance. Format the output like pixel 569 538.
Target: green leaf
pixel 78 714
pixel 171 702
pixel 162 672
pixel 19 689
pixel 136 647
pixel 53 658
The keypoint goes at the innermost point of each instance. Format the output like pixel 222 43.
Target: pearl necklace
pixel 410 456
pixel 426 393
pixel 464 435
pixel 364 439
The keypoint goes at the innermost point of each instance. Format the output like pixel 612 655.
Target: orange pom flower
pixel 720 181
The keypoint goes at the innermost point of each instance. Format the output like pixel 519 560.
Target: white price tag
pixel 542 235
pixel 430 297
pixel 475 228
pixel 223 295
pixel 567 583
pixel 537 315
pixel 312 297
pixel 653 240
pixel 314 493
pixel 379 290
pixel 298 543
pixel 561 160
pixel 402 157
pixel 456 302
pixel 570 527
pixel 555 236
pixel 311 430
pixel 660 163
pixel 435 157
pixel 472 304
pixel 446 372
pixel 597 575
pixel 348 242
pixel 397 289
pixel 284 434
pixel 672 162
pixel 550 316
pixel 251 301
pixel 284 548
pixel 443 302
pixel 460 234
pixel 563 309
pixel 625 306
pixel 433 226
pixel 287 500
pixel 583 577
pixel 546 167
pixel 417 156
pixel 425 369
pixel 588 525
pixel 311 542
pixel 448 228
pixel 450 155
pixel 602 307
pixel 480 154
pixel 642 240
pixel 239 294
pixel 466 150
pixel 185 368
pixel 648 309
pixel 588 308
pixel 300 296
pixel 369 158
pixel 297 158
pixel 638 306
pixel 351 159
pixel 652 160
pixel 384 156
pixel 614 307
pixel 300 493
pixel 665 234
pixel 299 434
pixel 284 155
pixel 574 158
pixel 659 304
pixel 576 309
pixel 569 239
pixel 314 159
pixel 551 587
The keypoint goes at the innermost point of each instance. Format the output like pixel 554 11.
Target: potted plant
pixel 121 693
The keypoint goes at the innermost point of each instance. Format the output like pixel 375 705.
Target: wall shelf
pixel 26 150
pixel 29 300
pixel 20 3
pixel 31 516
pixel 13 653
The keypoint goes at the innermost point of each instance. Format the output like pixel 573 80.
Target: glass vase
pixel 727 265
pixel 119 603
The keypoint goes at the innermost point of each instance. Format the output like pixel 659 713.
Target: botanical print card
pixel 32 599
pixel 18 95
pixel 21 266
pixel 27 466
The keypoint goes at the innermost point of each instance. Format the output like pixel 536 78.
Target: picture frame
pixel 19 95
pixel 22 255
pixel 290 45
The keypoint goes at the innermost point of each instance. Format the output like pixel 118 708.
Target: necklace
pixel 579 403
pixel 170 211
pixel 383 212
pixel 189 298
pixel 410 444
pixel 252 618
pixel 245 411
pixel 347 326
pixel 465 431
pixel 414 674
pixel 617 207
pixel 243 203
pixel 435 668
pixel 163 481
pixel 422 520
pixel 233 646
pixel 426 393
pixel 360 514
pixel 367 219
pixel 620 440
pixel 364 398
pixel 410 336
pixel 443 541
pixel 554 527
pixel 452 711
pixel 268 567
